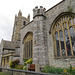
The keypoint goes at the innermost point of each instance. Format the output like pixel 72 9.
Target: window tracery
pixel 64 36
pixel 28 46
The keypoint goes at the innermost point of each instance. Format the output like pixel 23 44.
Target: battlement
pixel 20 13
pixel 38 11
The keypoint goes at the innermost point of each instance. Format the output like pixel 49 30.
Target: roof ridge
pixel 55 5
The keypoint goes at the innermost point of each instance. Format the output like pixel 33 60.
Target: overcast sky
pixel 9 8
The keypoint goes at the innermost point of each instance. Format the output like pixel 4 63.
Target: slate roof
pixel 9 45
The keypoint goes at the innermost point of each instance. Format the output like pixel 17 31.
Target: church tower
pixel 40 55
pixel 19 22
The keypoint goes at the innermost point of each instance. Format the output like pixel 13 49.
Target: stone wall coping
pixel 25 71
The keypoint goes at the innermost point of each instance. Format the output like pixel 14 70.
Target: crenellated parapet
pixel 38 11
pixel 20 13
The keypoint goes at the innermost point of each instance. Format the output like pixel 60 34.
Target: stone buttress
pixel 40 55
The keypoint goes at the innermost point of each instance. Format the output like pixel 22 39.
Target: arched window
pixel 64 36
pixel 24 23
pixel 28 45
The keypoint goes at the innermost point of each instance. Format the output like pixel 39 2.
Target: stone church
pixel 48 39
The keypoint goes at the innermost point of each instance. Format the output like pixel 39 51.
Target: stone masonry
pixel 40 27
pixel 39 36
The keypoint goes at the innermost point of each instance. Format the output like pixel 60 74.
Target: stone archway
pixel 28 45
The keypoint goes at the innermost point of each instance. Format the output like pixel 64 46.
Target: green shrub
pixel 50 69
pixel 69 71
pixel 26 59
pixel 20 67
pixel 64 71
pixel 16 61
pixel 24 63
pixel 25 68
pixel 13 63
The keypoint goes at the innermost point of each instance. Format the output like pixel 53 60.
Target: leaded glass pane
pixel 57 44
pixel 62 43
pixel 63 25
pixel 74 20
pixel 25 49
pixel 71 21
pixel 31 48
pixel 72 34
pixel 66 24
pixel 67 42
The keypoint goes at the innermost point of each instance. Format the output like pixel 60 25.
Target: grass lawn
pixel 1 73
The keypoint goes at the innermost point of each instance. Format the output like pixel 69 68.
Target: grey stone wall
pixel 51 14
pixel 40 28
pixel 23 32
pixel 39 36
